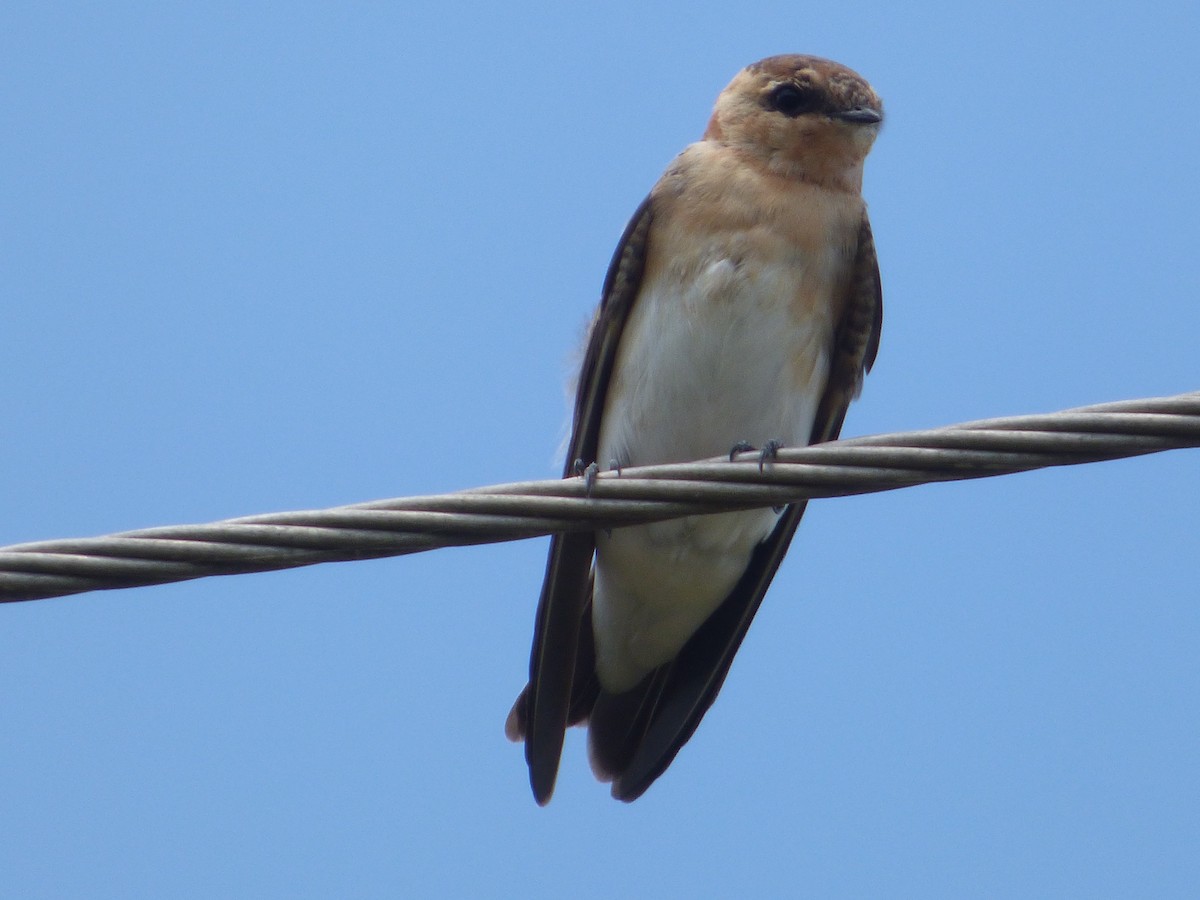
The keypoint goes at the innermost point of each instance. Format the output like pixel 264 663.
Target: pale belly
pixel 730 358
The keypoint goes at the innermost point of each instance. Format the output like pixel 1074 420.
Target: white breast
pixel 724 356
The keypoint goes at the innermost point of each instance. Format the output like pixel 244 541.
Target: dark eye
pixel 792 100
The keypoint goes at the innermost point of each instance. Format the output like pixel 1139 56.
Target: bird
pixel 742 304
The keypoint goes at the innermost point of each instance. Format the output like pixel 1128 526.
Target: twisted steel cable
pixel 509 512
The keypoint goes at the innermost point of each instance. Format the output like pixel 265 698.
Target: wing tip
pixel 542 785
pixel 543 755
pixel 542 759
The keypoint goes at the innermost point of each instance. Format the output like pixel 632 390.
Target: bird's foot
pixel 770 451
pixel 740 447
pixel 588 474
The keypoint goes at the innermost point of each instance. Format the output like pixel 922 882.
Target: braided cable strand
pixel 510 512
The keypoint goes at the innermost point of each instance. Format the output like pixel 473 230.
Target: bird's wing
pixel 566 591
pixel 647 727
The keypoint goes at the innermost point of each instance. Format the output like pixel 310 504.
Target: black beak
pixel 860 115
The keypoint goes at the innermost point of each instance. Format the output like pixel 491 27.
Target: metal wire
pixel 510 512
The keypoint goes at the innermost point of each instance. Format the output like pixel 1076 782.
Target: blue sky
pixel 258 258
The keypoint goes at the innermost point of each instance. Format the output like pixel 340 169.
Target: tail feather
pixel 634 736
pixel 618 723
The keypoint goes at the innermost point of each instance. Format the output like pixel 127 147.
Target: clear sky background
pixel 267 257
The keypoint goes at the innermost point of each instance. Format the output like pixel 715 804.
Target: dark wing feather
pixel 566 591
pixel 674 699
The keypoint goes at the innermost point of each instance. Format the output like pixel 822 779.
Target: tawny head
pixel 801 117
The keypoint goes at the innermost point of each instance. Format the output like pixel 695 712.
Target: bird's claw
pixel 588 474
pixel 769 451
pixel 740 447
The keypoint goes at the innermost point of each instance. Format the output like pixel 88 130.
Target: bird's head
pixel 800 117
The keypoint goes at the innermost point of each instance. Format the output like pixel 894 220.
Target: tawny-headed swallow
pixel 742 305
